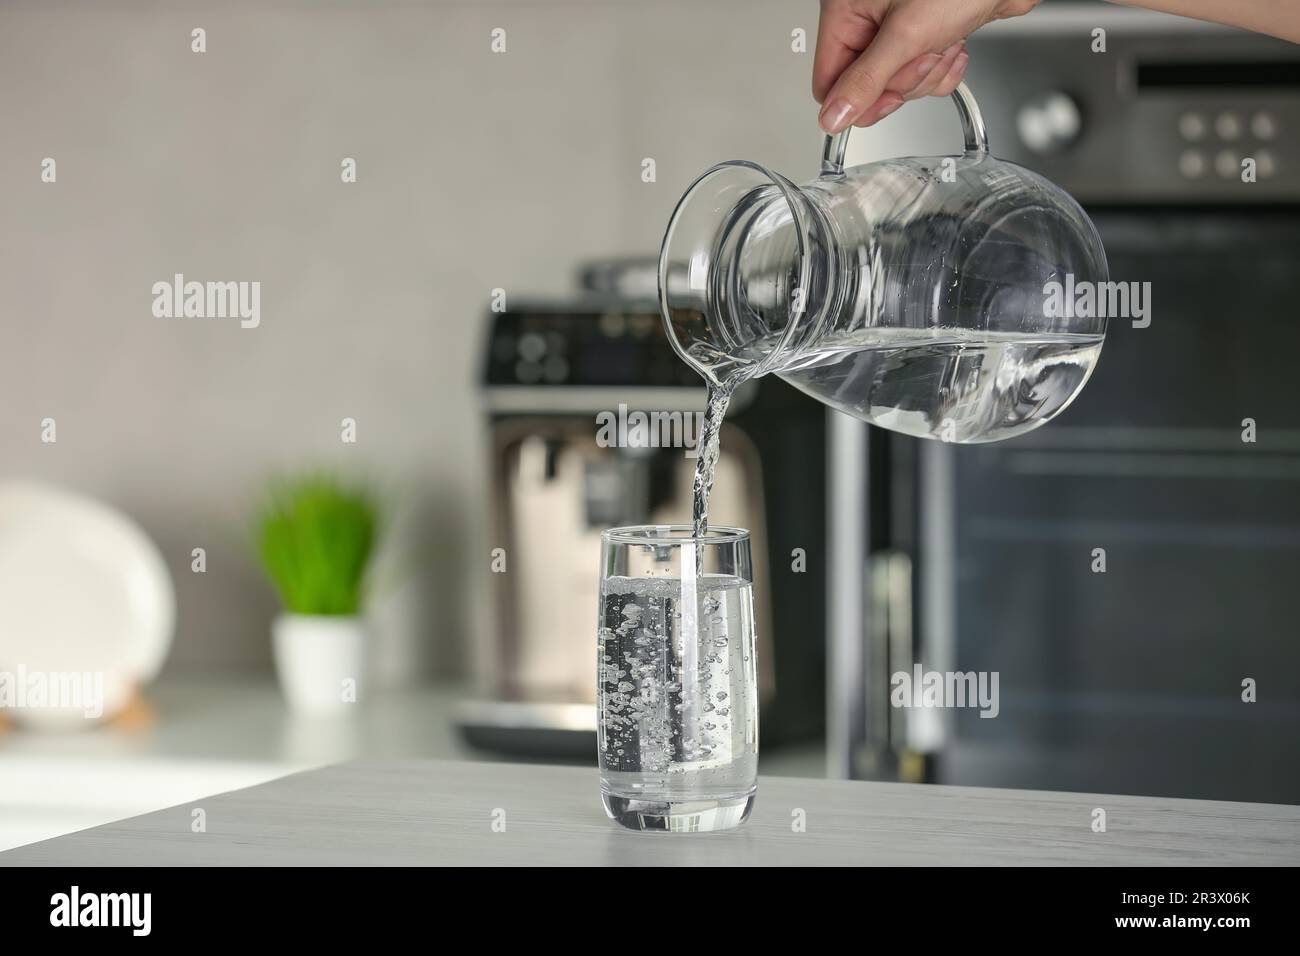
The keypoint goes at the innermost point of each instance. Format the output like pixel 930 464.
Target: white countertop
pixel 211 735
pixel 433 812
pixel 201 737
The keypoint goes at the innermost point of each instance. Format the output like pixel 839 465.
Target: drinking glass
pixel 677 696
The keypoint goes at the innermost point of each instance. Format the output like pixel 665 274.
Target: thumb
pixel 866 78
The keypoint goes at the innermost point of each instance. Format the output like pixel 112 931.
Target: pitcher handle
pixel 972 127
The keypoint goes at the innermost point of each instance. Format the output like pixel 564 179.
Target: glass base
pixel 678 816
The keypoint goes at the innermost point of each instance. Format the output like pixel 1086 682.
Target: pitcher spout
pixel 741 267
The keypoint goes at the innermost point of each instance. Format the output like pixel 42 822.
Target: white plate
pixel 86 606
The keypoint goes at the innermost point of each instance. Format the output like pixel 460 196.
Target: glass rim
pixel 672 535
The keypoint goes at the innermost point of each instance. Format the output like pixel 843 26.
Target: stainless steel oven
pixel 1131 571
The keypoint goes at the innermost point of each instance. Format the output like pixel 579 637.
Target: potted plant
pixel 315 536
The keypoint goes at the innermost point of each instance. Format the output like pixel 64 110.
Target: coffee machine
pixel 568 390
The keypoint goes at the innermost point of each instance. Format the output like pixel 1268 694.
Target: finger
pixel 831 59
pixel 936 75
pixel 865 79
pixel 954 77
pixel 931 68
pixel 841 37
pixel 878 110
pixel 915 73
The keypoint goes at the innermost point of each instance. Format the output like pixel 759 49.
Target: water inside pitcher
pixel 917 294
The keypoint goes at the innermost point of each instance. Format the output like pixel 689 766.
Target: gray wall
pixel 475 171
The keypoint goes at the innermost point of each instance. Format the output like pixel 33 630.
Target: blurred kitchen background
pixel 517 177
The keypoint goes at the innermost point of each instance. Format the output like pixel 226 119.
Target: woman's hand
pixel 873 55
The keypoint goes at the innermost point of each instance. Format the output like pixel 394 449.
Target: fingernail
pixel 835 115
pixel 887 110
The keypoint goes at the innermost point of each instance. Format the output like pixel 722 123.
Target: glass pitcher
pixel 922 295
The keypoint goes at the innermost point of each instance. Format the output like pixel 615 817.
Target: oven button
pixel 1192 164
pixel 1226 164
pixel 531 346
pixel 1228 126
pixel 555 370
pixel 1263 126
pixel 527 372
pixel 1191 126
pixel 612 325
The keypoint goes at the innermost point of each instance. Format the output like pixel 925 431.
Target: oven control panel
pixel 592 342
pixel 1221 143
pixel 1119 105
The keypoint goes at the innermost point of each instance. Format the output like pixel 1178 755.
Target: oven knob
pixel 1226 164
pixel 1192 164
pixel 1049 122
pixel 1228 126
pixel 1263 126
pixel 1192 126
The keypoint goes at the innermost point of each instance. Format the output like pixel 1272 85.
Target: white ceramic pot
pixel 320 660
